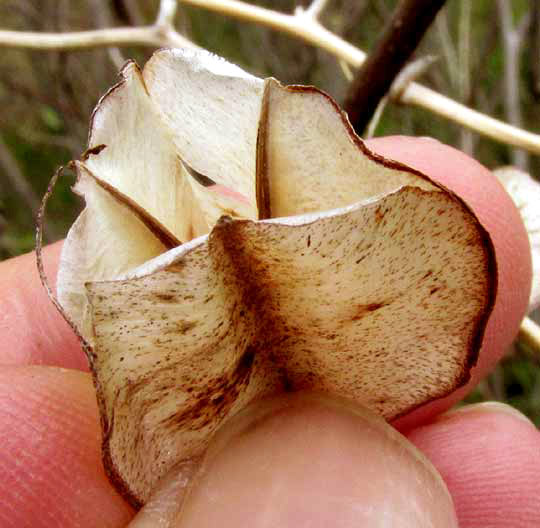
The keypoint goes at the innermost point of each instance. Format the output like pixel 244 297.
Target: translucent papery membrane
pixel 376 288
pixel 384 304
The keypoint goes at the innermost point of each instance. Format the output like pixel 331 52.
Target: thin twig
pixel 166 13
pixel 141 36
pixel 314 10
pixel 399 40
pixel 464 49
pixel 410 72
pixel 529 333
pixel 161 33
pixel 466 140
pixel 448 49
pixel 104 19
pixel 375 120
pixel 346 69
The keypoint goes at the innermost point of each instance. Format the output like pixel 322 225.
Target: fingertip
pixel 303 460
pixel 51 472
pixel 489 456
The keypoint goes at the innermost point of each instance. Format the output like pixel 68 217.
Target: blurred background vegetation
pixel 46 99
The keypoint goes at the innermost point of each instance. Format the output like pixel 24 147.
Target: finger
pixel 50 464
pixel 33 332
pixel 489 456
pixel 497 213
pixel 304 461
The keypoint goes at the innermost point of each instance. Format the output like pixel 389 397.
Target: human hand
pixel 306 462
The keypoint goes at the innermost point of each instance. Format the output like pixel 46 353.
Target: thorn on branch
pixel 166 14
pixel 314 10
pixel 409 74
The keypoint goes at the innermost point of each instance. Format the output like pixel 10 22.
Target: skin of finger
pixel 51 473
pixel 456 444
pixel 33 331
pixel 309 462
pixel 494 208
pixel 491 464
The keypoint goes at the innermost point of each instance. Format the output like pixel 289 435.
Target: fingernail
pixel 305 460
pixel 488 407
pixel 166 501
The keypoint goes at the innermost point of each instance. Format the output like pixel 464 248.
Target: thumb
pixel 303 460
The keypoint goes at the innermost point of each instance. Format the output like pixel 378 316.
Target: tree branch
pixel 529 333
pixel 399 40
pixel 304 28
pixel 161 33
pixel 141 36
pixel 311 31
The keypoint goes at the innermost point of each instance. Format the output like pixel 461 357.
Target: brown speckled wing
pixel 383 303
pixel 310 159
